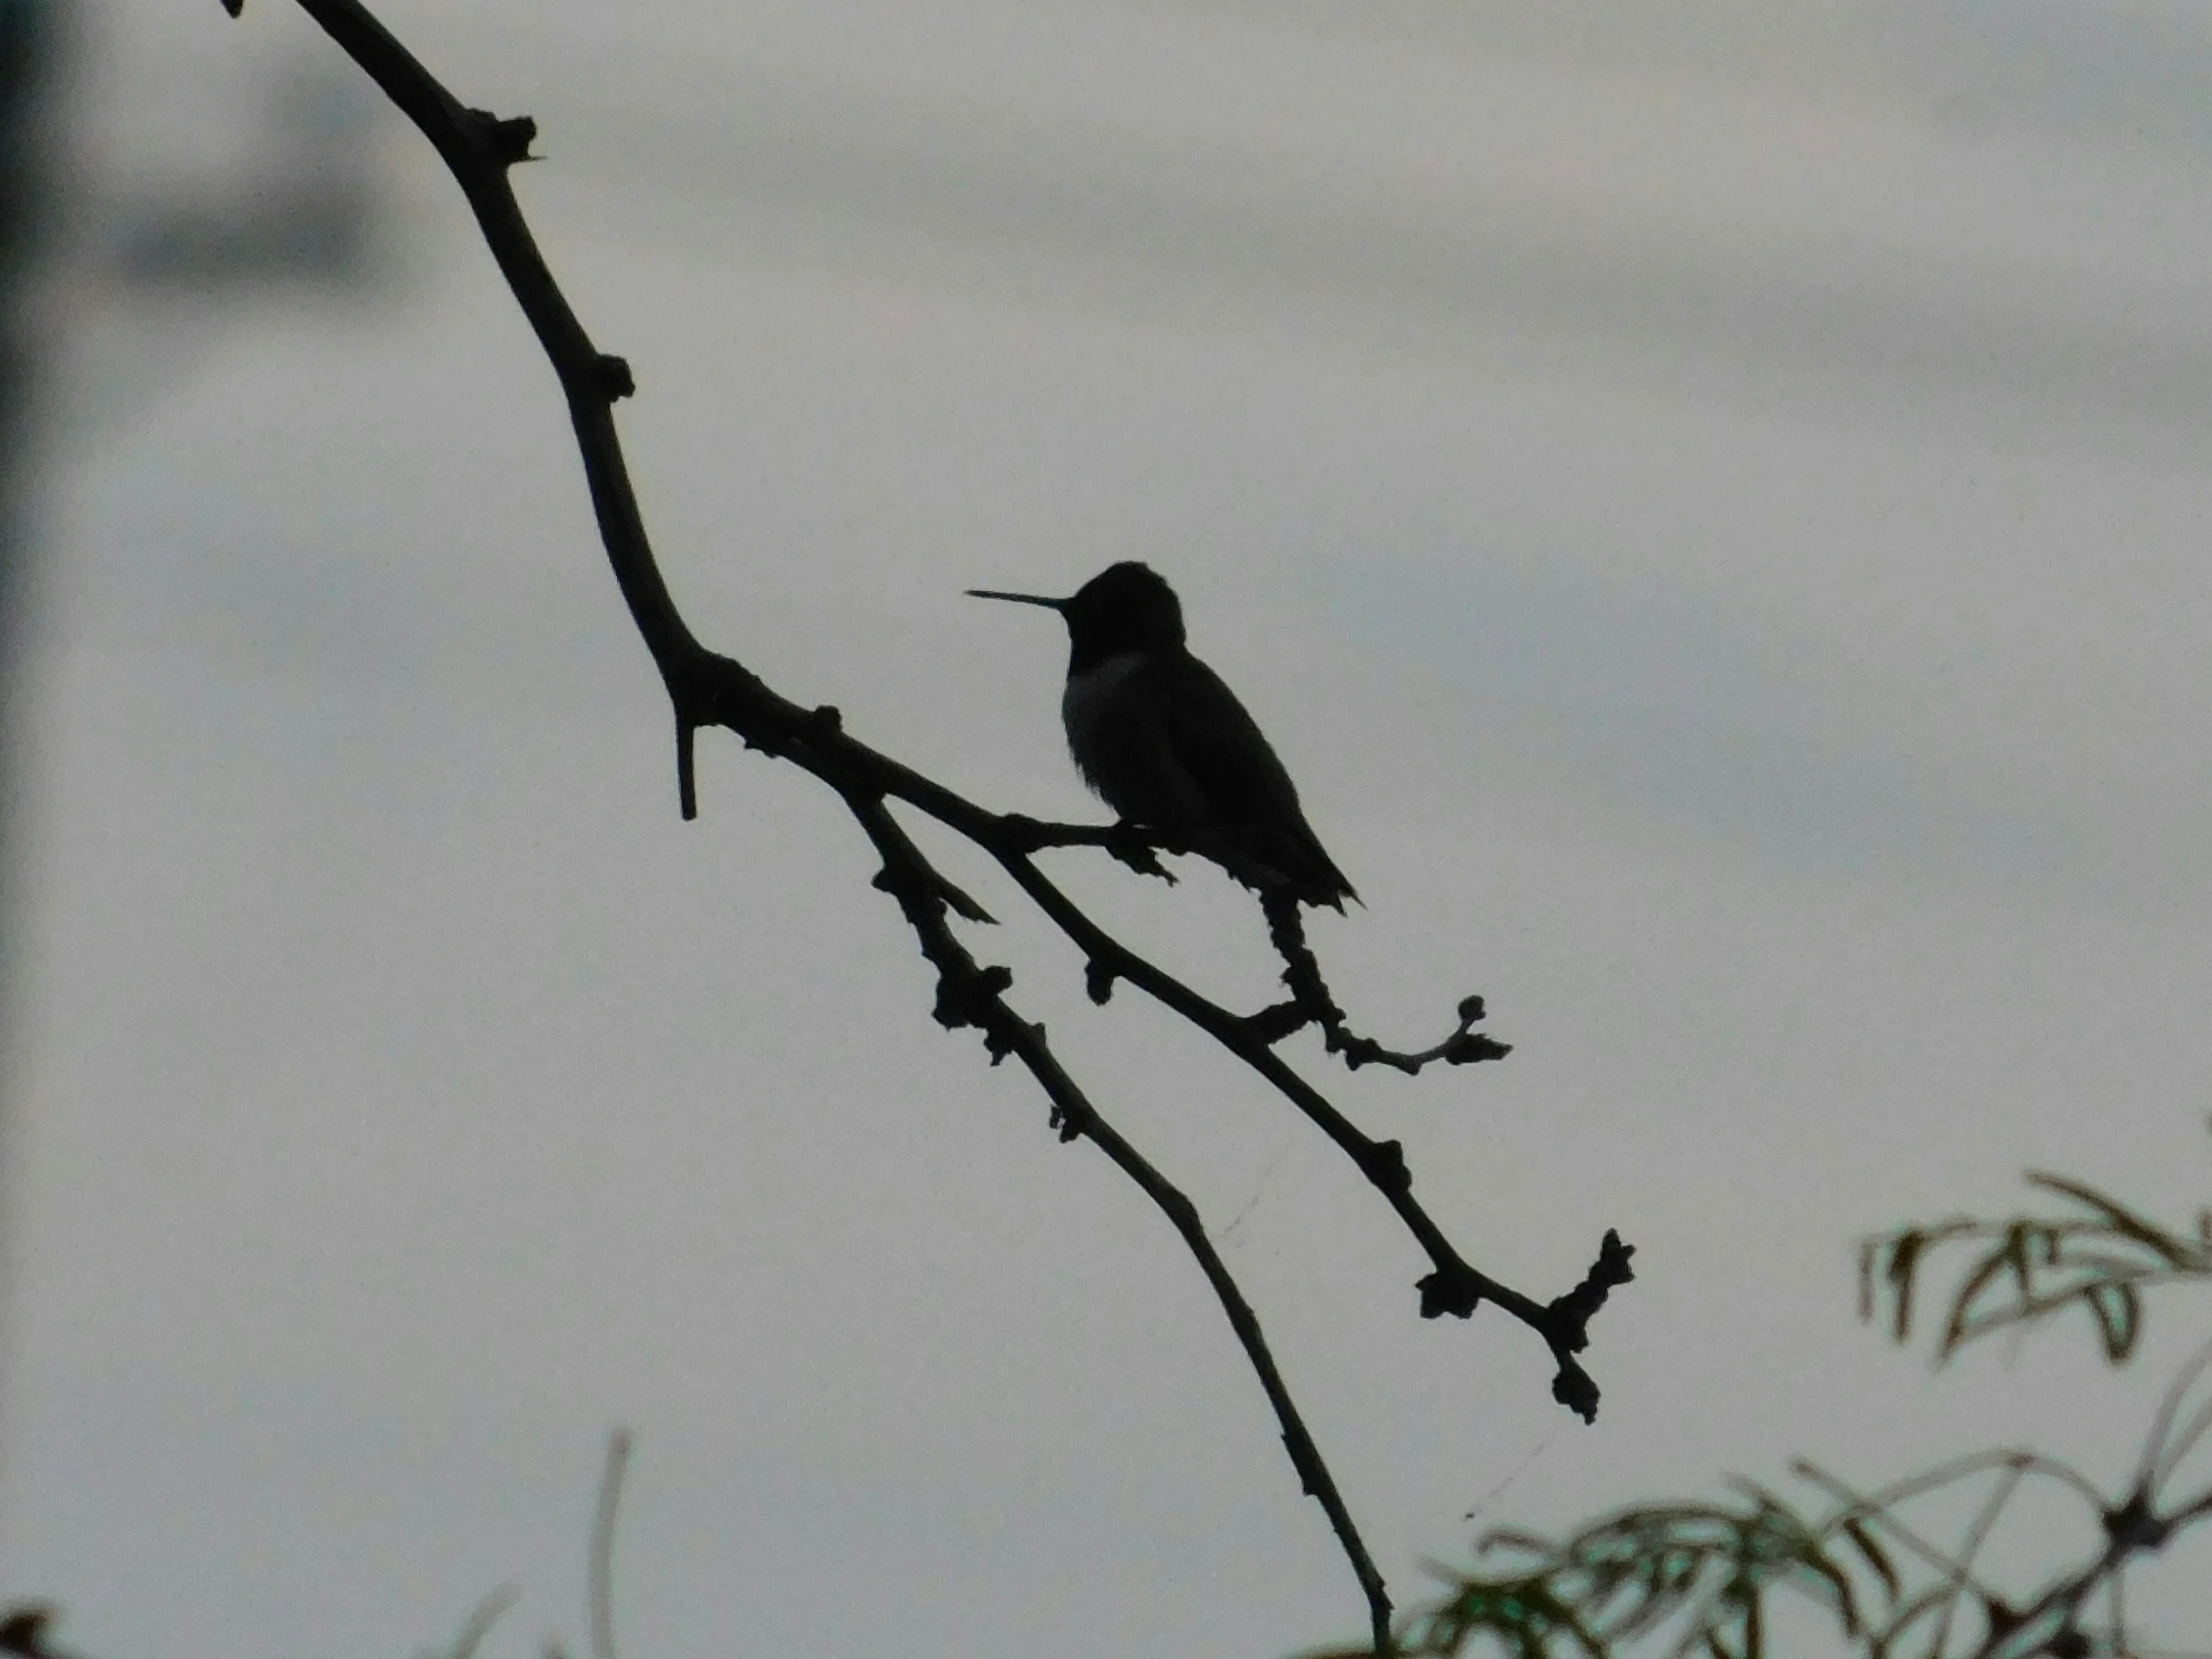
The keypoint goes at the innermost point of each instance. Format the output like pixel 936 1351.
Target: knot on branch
pixel 709 689
pixel 505 140
pixel 1302 1462
pixel 2137 1525
pixel 1022 834
pixel 612 378
pixel 1453 1289
pixel 1383 1163
pixel 1098 981
pixel 971 997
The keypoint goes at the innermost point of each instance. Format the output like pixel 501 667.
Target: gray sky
pixel 1709 503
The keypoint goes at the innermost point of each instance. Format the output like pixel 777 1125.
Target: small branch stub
pixel 506 139
pixel 614 377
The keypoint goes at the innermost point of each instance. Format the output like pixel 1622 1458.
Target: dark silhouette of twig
pixel 708 689
pixel 1311 1003
pixel 972 995
pixel 478 1625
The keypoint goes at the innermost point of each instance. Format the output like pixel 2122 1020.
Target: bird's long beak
pixel 1019 598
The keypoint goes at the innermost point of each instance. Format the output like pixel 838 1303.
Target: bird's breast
pixel 1088 705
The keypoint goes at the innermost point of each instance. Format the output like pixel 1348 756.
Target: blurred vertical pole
pixel 28 35
pixel 27 31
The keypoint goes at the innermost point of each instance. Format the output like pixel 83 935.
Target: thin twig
pixel 1311 1003
pixel 602 1575
pixel 969 994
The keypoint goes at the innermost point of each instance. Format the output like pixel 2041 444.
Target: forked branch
pixel 707 689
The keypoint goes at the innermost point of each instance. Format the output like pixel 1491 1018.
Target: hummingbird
pixel 1165 743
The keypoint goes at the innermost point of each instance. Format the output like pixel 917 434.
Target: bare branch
pixel 969 994
pixel 708 689
pixel 1311 1003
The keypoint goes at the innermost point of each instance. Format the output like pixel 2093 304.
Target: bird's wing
pixel 1218 746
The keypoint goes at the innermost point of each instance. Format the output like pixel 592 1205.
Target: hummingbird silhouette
pixel 1165 743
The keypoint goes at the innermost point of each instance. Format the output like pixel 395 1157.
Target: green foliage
pixel 2101 1255
pixel 1707 1567
pixel 1703 1580
pixel 1895 1571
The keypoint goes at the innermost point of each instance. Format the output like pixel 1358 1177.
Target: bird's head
pixel 1125 607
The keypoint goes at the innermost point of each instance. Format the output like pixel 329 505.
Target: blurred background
pixel 1709 501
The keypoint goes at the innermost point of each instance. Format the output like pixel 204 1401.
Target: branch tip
pixel 1309 992
pixel 1573 1388
pixel 1471 1047
pixel 1571 1313
pixel 686 775
pixel 963 906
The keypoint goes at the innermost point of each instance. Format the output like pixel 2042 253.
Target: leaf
pixel 1961 1304
pixel 1869 1546
pixel 2174 1250
pixel 1905 1255
pixel 2119 1316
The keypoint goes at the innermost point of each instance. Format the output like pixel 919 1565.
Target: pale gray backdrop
pixel 1709 499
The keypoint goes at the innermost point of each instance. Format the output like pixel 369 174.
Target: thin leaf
pixel 2148 1234
pixel 1876 1556
pixel 2119 1316
pixel 1905 1255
